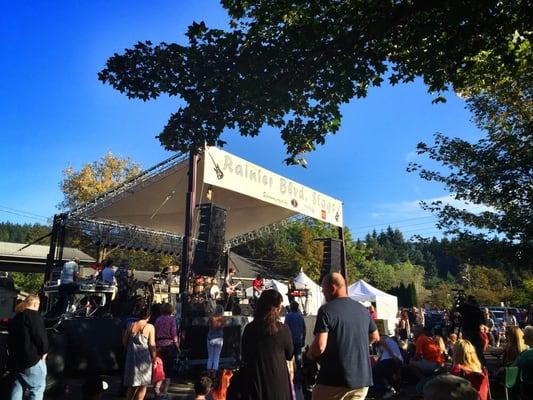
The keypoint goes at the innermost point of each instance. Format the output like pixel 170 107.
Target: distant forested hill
pixel 23 233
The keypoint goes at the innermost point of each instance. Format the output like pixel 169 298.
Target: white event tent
pixel 272 284
pixel 386 304
pixel 315 296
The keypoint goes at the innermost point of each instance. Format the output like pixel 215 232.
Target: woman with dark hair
pixel 266 348
pixel 167 343
pixel 139 340
pixel 404 326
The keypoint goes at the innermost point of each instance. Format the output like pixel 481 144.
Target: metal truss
pixel 112 233
pixel 145 178
pixel 263 231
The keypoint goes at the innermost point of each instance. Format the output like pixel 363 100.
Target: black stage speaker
pixel 93 345
pixel 331 261
pixel 209 247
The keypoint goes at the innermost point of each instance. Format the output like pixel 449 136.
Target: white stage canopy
pixel 386 304
pixel 315 297
pixel 254 197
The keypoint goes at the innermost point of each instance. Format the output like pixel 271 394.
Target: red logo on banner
pixel 323 214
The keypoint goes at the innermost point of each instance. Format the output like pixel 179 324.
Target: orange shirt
pixel 429 350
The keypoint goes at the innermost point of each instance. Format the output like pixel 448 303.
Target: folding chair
pixel 511 377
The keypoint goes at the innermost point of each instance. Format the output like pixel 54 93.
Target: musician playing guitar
pixel 257 286
pixel 229 288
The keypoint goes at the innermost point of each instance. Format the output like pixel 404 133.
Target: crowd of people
pixel 347 356
pixel 419 351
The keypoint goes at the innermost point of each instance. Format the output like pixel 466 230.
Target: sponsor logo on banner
pixel 225 170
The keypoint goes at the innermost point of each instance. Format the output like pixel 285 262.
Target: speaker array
pixel 331 261
pixel 209 246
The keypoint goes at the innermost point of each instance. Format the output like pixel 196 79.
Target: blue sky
pixel 55 113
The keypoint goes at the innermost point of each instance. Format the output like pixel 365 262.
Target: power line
pixel 24 215
pixel 389 223
pixel 22 211
pixel 360 228
pixel 400 226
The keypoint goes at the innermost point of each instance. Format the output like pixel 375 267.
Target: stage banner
pixel 233 173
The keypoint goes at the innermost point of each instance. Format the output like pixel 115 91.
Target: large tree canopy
pixel 95 178
pixel 496 171
pixel 291 65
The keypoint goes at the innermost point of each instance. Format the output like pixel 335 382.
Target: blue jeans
pixel 32 379
pixel 214 347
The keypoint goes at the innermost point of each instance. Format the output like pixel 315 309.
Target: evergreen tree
pixel 23 233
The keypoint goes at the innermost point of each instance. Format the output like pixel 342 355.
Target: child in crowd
pixel 158 374
pixel 484 334
pixel 440 342
pixel 221 391
pixel 501 333
pixel 452 339
pixel 202 388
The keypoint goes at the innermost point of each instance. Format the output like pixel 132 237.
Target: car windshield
pixel 498 314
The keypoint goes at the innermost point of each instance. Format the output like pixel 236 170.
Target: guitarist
pixel 257 286
pixel 229 288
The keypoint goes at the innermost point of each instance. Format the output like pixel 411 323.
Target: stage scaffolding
pixel 112 234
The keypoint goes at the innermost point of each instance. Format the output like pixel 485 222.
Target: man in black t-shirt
pixel 343 333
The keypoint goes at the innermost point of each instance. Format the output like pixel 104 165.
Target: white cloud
pixel 411 209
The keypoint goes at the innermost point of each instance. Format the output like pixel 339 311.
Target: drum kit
pixel 205 288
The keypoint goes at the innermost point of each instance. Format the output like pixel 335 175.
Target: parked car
pixel 434 321
pixel 498 313
pixel 497 316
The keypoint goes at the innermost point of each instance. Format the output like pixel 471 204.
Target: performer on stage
pixel 229 288
pixel 70 271
pixel 69 275
pixel 291 286
pixel 107 274
pixel 258 286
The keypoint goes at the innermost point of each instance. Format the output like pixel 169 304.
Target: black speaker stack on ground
pixel 331 261
pixel 209 247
